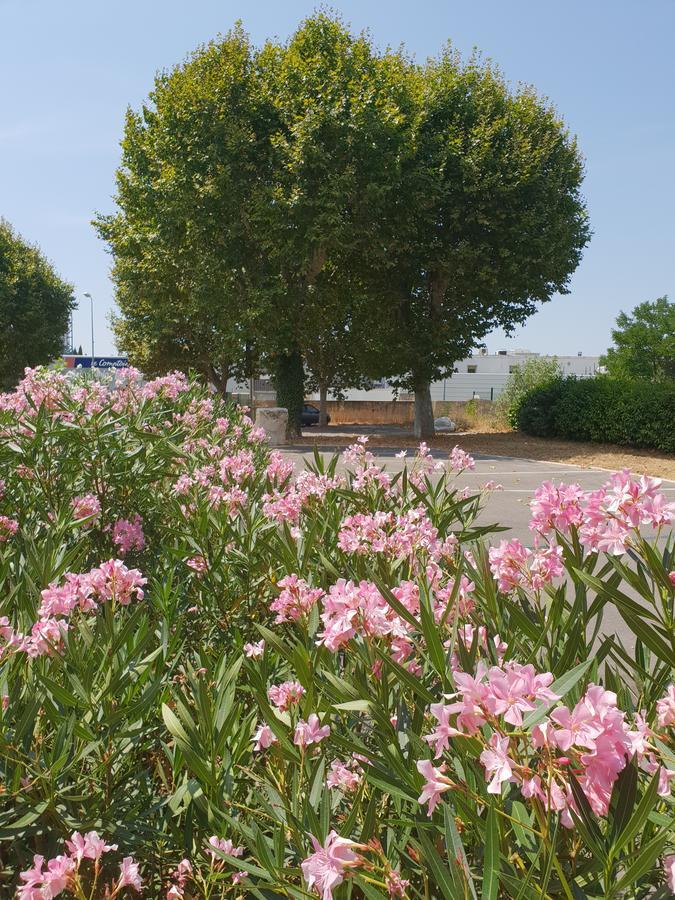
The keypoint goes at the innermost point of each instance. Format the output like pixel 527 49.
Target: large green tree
pixel 318 202
pixel 250 183
pixel 187 260
pixel 337 154
pixel 35 306
pixel 644 343
pixel 491 220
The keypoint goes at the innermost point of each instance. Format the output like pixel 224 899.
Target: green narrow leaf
pixel 491 864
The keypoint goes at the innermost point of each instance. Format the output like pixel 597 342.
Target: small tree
pixel 535 372
pixel 35 307
pixel 644 343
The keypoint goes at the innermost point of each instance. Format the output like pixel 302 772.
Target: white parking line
pixel 532 490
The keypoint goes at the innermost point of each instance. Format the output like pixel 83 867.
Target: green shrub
pixel 533 374
pixel 636 414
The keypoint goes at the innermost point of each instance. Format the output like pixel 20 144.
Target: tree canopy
pixel 323 203
pixel 495 222
pixel 644 343
pixel 35 307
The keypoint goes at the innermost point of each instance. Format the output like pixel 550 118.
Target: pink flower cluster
pixel 179 879
pixel 514 565
pixel 49 878
pixel 128 534
pixel 287 504
pixel 605 519
pixel 285 695
pixel 8 528
pixel 344 776
pixel 505 691
pixel 87 507
pixel 593 740
pixel 310 732
pixel 296 599
pixel 403 536
pixel 110 581
pixel 350 610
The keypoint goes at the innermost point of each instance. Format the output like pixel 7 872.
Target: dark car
pixel 310 415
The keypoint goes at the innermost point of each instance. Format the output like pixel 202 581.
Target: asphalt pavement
pixel 519 479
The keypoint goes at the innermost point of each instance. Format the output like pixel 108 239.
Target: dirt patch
pixel 507 443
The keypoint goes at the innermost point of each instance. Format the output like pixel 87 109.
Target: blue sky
pixel 69 69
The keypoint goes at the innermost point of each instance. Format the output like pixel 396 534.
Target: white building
pixel 482 376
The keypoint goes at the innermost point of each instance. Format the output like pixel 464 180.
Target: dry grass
pixel 508 443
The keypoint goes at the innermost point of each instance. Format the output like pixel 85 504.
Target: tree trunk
pixel 323 405
pixel 290 384
pixel 218 378
pixel 424 411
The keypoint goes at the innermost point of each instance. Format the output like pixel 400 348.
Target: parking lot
pixel 519 479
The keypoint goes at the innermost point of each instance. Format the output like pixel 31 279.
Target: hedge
pixel 634 413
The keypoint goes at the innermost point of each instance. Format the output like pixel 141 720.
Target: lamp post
pixel 92 329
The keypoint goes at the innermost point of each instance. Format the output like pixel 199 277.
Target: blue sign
pixel 100 362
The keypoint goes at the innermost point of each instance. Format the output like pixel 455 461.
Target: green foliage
pixel 533 374
pixel 289 379
pixel 634 413
pixel 374 215
pixel 141 723
pixel 494 219
pixel 35 306
pixel 644 343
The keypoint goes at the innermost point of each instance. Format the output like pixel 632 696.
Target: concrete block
pixel 274 419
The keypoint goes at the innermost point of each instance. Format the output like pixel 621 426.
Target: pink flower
pixel 665 708
pixel 342 776
pixel 310 732
pixel 112 580
pixel 295 600
pixel 128 534
pixel 396 886
pixel 285 695
pixel 556 508
pixel 443 731
pixel 497 763
pixel 436 783
pixel 8 528
pixel 669 871
pixel 129 874
pixel 87 507
pixel 91 846
pixel 198 564
pixel 325 869
pixel 225 846
pixel 264 738
pixel 459 460
pixel 254 651
pixel 237 877
pixel 49 882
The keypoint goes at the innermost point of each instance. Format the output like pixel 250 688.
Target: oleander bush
pixel 224 678
pixel 617 411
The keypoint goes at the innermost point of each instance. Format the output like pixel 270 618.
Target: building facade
pixel 481 376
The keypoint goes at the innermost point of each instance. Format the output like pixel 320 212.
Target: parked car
pixel 310 415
